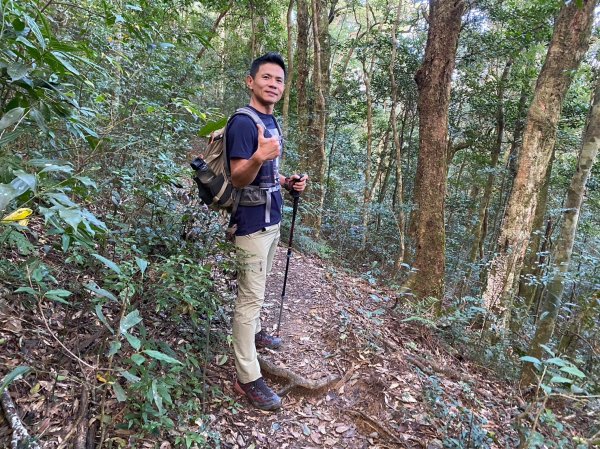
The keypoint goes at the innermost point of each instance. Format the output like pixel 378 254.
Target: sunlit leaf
pixel 130 320
pixel 142 264
pixel 119 392
pixel 573 371
pixel 560 380
pixel 100 291
pixel 11 117
pixel 109 263
pixel 161 356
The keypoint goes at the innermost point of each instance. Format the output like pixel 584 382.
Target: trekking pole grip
pixel 295 193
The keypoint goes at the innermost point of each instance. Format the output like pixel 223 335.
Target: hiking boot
pixel 259 394
pixel 264 340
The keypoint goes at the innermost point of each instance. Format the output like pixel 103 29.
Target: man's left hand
pixel 297 182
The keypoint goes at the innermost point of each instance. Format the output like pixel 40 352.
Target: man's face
pixel 268 84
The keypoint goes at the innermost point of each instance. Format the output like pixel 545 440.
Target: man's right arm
pixel 243 171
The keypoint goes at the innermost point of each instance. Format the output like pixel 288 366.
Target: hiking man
pixel 253 152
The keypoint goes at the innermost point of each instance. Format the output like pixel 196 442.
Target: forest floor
pixel 391 381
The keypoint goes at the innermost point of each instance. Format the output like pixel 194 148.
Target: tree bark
pixel 567 47
pixel 434 82
pixel 563 248
pixel 399 199
pixel 302 81
pixel 367 73
pixel 482 216
pixel 316 157
pixel 290 69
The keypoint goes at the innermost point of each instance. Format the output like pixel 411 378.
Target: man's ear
pixel 249 81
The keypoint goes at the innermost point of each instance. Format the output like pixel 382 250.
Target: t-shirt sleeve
pixel 242 137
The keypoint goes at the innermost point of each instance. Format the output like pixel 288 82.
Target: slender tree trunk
pixel 482 216
pixel 434 82
pixel 567 47
pixel 290 68
pixel 302 82
pixel 367 168
pixel 398 199
pixel 563 248
pixel 316 159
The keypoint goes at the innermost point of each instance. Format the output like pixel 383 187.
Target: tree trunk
pixel 290 69
pixel 567 47
pixel 482 216
pixel 434 82
pixel 566 237
pixel 367 168
pixel 316 144
pixel 302 81
pixel 398 199
pixel 529 287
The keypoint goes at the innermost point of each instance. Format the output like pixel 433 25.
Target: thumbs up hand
pixel 269 148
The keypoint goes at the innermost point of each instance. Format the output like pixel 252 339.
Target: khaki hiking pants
pixel 257 251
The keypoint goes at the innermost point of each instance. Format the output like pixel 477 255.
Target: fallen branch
pixel 429 367
pixel 295 380
pixel 377 425
pixel 20 435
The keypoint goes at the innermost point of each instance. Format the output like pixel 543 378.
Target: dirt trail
pixel 399 388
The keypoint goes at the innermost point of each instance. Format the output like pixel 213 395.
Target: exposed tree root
pixel 20 436
pixel 295 380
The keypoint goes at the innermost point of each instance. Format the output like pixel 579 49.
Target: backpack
pixel 213 175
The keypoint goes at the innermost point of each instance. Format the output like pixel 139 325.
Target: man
pixel 253 153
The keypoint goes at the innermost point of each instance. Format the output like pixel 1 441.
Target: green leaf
pixel 102 318
pixel 61 293
pixel 11 117
pixel 36 30
pixel 100 291
pixel 546 388
pixel 157 397
pixel 62 58
pixel 212 126
pixel 130 320
pixel 138 359
pixel 130 377
pixel 573 371
pixel 222 359
pixel 115 346
pixel 142 264
pixel 135 342
pixel 72 217
pixel 26 290
pixel 109 263
pixel 14 374
pixel 556 361
pixel 161 356
pixel 58 296
pixel 119 392
pixel 548 350
pixel 560 380
pixel 528 358
pixel 87 181
pixel 16 71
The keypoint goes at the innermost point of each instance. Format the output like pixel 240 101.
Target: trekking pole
pixel 296 196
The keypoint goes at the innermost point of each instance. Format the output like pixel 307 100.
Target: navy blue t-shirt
pixel 242 142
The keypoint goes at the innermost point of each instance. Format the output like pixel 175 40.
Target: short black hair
pixel 271 57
